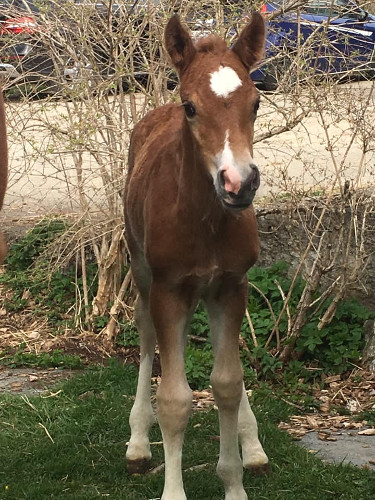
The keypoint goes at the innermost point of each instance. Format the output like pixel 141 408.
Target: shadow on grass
pixel 72 446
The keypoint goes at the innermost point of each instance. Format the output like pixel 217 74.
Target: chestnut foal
pixel 192 235
pixel 3 169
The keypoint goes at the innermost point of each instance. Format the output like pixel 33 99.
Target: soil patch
pixel 31 381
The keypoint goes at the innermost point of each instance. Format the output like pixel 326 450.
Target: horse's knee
pixel 174 405
pixel 227 386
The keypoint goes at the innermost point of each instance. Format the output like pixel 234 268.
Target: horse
pixel 192 235
pixel 3 169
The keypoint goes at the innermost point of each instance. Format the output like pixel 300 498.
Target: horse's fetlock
pixel 230 472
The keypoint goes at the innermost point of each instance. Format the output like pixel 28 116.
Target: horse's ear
pixel 179 45
pixel 250 45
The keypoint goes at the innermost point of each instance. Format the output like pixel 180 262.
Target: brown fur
pixel 3 169
pixel 212 44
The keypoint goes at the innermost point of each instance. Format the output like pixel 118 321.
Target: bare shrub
pixel 107 69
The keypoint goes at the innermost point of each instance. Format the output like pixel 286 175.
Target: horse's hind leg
pixel 253 456
pixel 142 416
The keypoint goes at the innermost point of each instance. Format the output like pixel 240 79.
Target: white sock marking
pixel 224 81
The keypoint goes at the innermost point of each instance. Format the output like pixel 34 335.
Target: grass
pixel 72 446
pixel 43 360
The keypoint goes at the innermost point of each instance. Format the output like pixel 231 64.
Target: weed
pixel 58 359
pixel 31 279
pixel 333 347
pixel 128 334
pixel 198 366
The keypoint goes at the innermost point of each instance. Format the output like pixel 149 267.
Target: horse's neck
pixel 196 191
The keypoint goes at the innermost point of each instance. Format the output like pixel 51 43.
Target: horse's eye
pixel 189 109
pixel 256 106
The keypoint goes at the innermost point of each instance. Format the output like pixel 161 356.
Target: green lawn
pixel 72 446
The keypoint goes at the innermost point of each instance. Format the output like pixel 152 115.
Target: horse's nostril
pixel 221 178
pixel 255 177
pixel 252 181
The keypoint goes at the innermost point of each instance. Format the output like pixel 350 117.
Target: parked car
pixel 28 55
pixel 324 37
pixel 22 54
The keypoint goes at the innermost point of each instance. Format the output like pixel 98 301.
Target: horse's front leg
pixel 170 310
pixel 226 307
pixel 141 416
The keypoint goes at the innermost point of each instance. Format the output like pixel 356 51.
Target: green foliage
pixel 269 364
pixel 24 252
pixel 30 276
pixel 199 324
pixel 58 359
pixel 198 366
pixel 331 349
pixel 339 343
pixel 334 347
pixel 128 334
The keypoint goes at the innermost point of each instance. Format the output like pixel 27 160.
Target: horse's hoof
pixel 259 470
pixel 139 466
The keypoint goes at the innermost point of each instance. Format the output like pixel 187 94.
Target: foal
pixel 192 235
pixel 3 169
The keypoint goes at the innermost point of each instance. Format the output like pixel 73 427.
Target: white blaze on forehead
pixel 224 81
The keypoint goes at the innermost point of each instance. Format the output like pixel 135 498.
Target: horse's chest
pixel 199 252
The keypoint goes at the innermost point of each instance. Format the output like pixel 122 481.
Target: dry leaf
pixel 326 437
pixel 333 378
pixel 367 432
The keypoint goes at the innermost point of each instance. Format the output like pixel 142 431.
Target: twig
pixel 196 338
pixel 111 327
pixel 252 330
pixel 276 327
pixel 46 431
pixel 287 312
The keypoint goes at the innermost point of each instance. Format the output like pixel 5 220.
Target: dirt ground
pixel 44 180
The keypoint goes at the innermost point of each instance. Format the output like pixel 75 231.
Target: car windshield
pixel 327 8
pixel 333 8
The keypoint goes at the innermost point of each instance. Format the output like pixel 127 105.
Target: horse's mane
pixel 212 44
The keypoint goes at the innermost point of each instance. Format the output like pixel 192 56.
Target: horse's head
pixel 221 104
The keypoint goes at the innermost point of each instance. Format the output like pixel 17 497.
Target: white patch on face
pixel 227 157
pixel 224 81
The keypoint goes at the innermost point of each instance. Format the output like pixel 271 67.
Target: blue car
pixel 323 37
